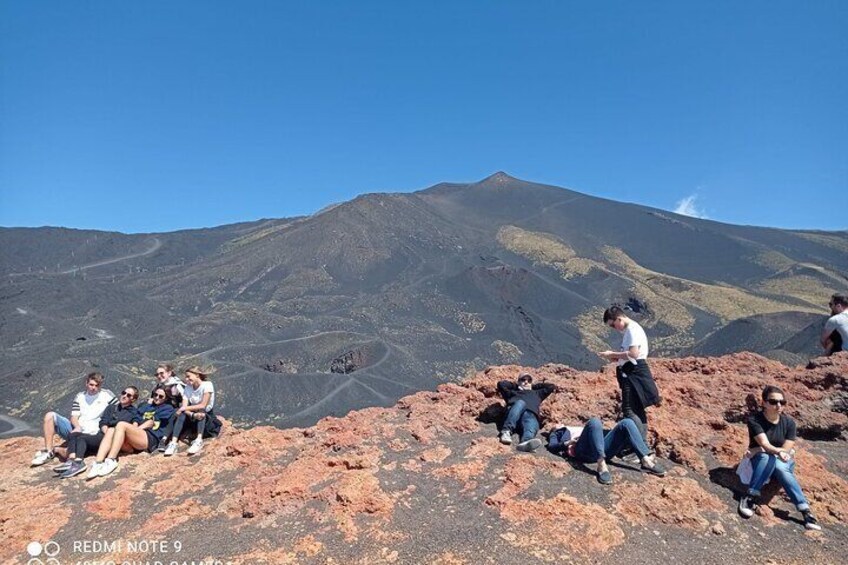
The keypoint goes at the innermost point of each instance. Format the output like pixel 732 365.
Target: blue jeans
pixel 518 415
pixel 62 426
pixel 765 467
pixel 593 445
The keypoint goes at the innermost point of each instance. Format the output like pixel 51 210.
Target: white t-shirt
pixel 839 322
pixel 195 395
pixel 88 408
pixel 634 335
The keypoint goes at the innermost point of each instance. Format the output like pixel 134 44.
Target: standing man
pixel 86 411
pixel 523 400
pixel 638 389
pixel 835 334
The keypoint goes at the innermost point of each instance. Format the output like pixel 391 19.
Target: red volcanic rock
pixel 427 480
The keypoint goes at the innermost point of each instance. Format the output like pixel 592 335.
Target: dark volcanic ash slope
pixel 384 295
pixel 428 482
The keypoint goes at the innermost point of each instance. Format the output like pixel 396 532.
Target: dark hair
pixel 96 377
pixel 612 313
pixel 771 389
pixel 135 389
pixel 839 300
pixel 163 389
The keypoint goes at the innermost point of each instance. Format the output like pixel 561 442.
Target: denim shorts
pixel 63 426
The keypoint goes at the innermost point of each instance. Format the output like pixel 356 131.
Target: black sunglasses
pixel 159 396
pixel 775 402
pixel 129 393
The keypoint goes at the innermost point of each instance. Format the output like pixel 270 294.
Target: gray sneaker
pixel 62 467
pixel 506 437
pixel 530 445
pixel 75 469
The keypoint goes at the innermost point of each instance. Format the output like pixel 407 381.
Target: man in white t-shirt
pixel 835 334
pixel 638 389
pixel 86 411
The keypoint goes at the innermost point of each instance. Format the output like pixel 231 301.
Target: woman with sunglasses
pixel 196 410
pixel 772 436
pixel 142 434
pixel 124 411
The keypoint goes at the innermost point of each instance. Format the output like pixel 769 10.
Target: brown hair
pixel 168 367
pixel 613 313
pixel 96 377
pixel 202 373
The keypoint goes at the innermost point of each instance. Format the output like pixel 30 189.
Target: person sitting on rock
pixel 166 376
pixel 771 436
pixel 835 333
pixel 81 444
pixel 142 434
pixel 124 411
pixel 86 411
pixel 198 402
pixel 523 400
pixel 589 444
pixel 638 389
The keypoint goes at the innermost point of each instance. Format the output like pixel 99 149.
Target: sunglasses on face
pixel 129 393
pixel 159 396
pixel 775 401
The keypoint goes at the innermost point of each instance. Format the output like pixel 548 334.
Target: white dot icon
pixel 34 549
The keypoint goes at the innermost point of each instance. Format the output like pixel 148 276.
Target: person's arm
pixel 183 406
pixel 146 424
pixel 825 336
pixel 544 389
pixel 631 353
pixel 506 388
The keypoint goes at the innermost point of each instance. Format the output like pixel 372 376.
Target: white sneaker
pixel 195 446
pixel 506 437
pixel 41 457
pixel 94 472
pixel 107 467
pixel 171 449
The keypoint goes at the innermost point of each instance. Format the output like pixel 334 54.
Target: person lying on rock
pixel 589 444
pixel 81 444
pixel 86 411
pixel 835 334
pixel 638 389
pixel 142 434
pixel 523 400
pixel 771 435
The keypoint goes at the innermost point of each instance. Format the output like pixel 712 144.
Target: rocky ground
pixel 427 481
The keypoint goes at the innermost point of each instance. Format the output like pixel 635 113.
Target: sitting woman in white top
pixel 195 411
pixel 638 389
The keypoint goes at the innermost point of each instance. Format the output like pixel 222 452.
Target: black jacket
pixel 641 380
pixel 115 413
pixel 532 398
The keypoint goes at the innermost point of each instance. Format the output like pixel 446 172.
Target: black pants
pixel 81 444
pixel 836 340
pixel 631 406
pixel 183 419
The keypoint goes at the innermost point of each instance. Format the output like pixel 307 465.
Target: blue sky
pixel 154 116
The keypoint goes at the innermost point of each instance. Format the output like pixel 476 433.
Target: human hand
pixel 784 456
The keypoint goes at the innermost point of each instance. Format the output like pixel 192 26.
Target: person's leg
pixel 168 430
pixel 175 437
pixel 118 439
pixel 625 434
pixel 105 444
pixel 529 426
pixel 785 473
pixel 763 466
pixel 510 423
pixel 590 445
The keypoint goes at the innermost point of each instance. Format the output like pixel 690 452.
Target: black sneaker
pixel 163 445
pixel 655 469
pixel 605 478
pixel 746 506
pixel 810 521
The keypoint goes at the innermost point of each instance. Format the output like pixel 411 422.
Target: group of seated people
pixel 107 426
